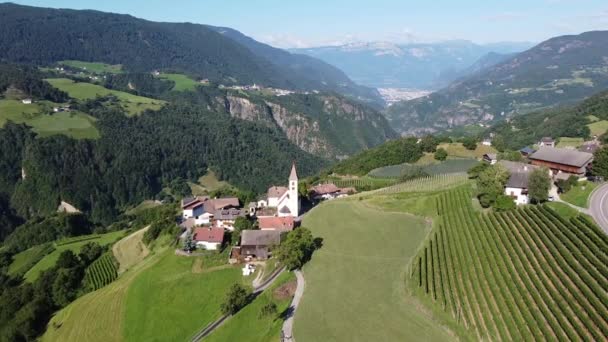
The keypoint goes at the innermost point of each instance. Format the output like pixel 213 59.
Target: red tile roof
pixel 276 191
pixel 278 223
pixel 323 189
pixel 209 234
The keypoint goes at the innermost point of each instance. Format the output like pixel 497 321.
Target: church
pixel 285 200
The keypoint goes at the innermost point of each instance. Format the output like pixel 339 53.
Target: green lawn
pixel 49 260
pixel 355 284
pixel 94 67
pixel 182 82
pixel 570 142
pixel 579 195
pixel 563 209
pixel 598 127
pixel 246 325
pixel 168 302
pixel 459 151
pixel 133 104
pixel 23 261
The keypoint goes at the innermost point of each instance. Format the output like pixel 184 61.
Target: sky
pixel 307 23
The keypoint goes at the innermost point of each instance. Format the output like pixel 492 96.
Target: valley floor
pixel 355 284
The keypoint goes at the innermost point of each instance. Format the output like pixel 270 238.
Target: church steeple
pixel 293 175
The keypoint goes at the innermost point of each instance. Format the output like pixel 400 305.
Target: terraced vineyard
pixel 427 184
pixel 101 272
pixel 528 274
pixel 364 184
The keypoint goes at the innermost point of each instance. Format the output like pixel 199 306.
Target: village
pixel 207 221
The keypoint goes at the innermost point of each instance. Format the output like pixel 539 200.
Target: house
pixel 225 218
pixel 490 158
pixel 590 146
pixel 562 160
pixel 192 207
pixel 203 209
pixel 283 224
pixel 209 238
pixel 526 151
pixel 517 184
pixel 486 142
pixel 546 142
pixel 26 101
pixel 329 191
pixel 285 199
pixel 259 243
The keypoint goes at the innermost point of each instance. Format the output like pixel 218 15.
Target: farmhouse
pixel 283 224
pixel 203 209
pixel 486 142
pixel 259 243
pixel 225 218
pixel 546 142
pixel 329 191
pixel 490 158
pixel 285 200
pixel 517 185
pixel 209 238
pixel 560 160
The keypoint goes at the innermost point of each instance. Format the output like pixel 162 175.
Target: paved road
pixel 288 324
pixel 598 206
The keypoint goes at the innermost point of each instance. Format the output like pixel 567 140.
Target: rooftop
pixel 209 235
pixel 278 223
pixel 323 189
pixel 562 156
pixel 518 180
pixel 276 191
pixel 260 237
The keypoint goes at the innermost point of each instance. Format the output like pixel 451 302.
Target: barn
pixel 561 160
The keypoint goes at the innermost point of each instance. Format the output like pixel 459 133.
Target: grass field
pixel 97 68
pixel 37 115
pixel 207 183
pixel 563 209
pixel 527 274
pixel 570 142
pixel 168 302
pixel 133 104
pixel 130 250
pixel 355 283
pixel 599 127
pixel 448 166
pixel 182 82
pixel 24 261
pixel 579 195
pixel 49 260
pixel 246 325
pixel 459 151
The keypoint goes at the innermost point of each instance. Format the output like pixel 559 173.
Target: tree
pixel 539 183
pixel 67 259
pixel 510 155
pixel 600 162
pixel 236 298
pixel 469 143
pixel 477 169
pixel 269 309
pixel 429 143
pixel 89 252
pixel 297 248
pixel 504 203
pixel 189 244
pixel 441 154
pixel 490 184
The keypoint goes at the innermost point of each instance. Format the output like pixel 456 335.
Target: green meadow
pixel 182 82
pixel 97 68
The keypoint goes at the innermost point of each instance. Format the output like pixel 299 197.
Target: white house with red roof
pixel 208 238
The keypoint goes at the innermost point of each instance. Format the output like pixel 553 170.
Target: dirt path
pixel 287 331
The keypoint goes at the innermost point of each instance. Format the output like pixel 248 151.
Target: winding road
pixel 287 331
pixel 598 206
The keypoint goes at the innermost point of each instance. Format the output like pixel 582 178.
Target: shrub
pixel 441 154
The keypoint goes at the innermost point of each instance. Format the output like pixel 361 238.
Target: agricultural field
pixel 182 82
pixel 355 283
pixel 45 123
pixel 459 151
pixel 98 68
pixel 364 183
pixel 133 104
pixel 426 184
pixel 447 166
pixel 101 272
pixel 73 245
pixel 130 250
pixel 598 127
pixel 527 274
pixel 248 326
pixel 24 261
pixel 566 142
pixel 579 194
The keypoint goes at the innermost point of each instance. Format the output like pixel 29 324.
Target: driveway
pixel 598 206
pixel 287 332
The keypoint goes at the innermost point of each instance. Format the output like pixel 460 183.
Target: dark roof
pixel 527 150
pixel 518 180
pixel 285 210
pixel 491 156
pixel 562 156
pixel 228 214
pixel 547 139
pixel 513 167
pixel 260 237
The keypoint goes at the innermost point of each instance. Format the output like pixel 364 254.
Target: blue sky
pixel 302 23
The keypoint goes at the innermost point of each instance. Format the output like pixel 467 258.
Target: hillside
pixel 44 36
pixel 415 65
pixel 558 71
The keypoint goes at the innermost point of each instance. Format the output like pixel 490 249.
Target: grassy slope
pixel 207 183
pixel 130 251
pixel 457 150
pixel 579 195
pixel 182 82
pixel 28 258
pixel 598 127
pixel 247 326
pixel 570 142
pixel 132 103
pixel 168 302
pixel 563 209
pixel 50 260
pixel 73 124
pixel 355 283
pixel 94 67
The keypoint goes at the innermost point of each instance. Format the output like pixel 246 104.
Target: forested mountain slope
pixel 560 70
pixel 43 36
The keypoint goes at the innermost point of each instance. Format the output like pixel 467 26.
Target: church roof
pixel 276 191
pixel 293 175
pixel 285 210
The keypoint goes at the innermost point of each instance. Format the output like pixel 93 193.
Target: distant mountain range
pixel 420 66
pixel 44 36
pixel 558 71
